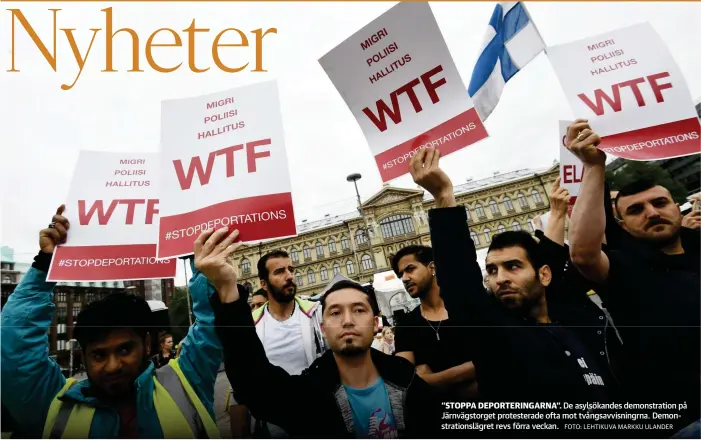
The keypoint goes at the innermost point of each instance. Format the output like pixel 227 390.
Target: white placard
pixel 626 83
pixel 398 79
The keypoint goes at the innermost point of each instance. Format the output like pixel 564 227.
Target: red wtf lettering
pixel 569 174
pixel 615 102
pixel 104 216
pixel 205 173
pixel 395 113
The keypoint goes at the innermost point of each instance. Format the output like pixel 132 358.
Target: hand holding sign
pixel 56 233
pixel 212 252
pixel 582 141
pixel 426 172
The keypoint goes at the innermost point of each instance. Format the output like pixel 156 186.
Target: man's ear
pixel 147 342
pixel 264 285
pixel 323 332
pixel 377 325
pixel 545 275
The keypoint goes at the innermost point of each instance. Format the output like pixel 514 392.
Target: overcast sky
pixel 42 128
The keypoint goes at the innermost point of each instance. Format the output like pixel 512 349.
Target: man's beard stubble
pixel 281 296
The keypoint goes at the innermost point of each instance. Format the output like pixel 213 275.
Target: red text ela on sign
pixel 570 174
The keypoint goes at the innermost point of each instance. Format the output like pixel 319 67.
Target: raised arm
pixel 30 378
pixel 588 223
pixel 201 352
pixel 458 273
pixel 244 355
pixel 559 200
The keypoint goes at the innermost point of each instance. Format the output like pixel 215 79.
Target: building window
pixel 115 284
pixel 319 250
pixel 300 280
pixel 536 196
pixel 366 262
pixel 76 297
pixel 516 226
pixel 332 245
pixel 350 268
pixel 508 205
pixel 245 265
pixel 345 243
pixel 522 201
pixel 475 239
pixel 294 255
pixel 104 284
pixel 487 235
pixel 76 311
pixel 61 329
pixel 336 269
pixel 479 210
pixel 324 274
pixel 60 297
pixel 61 314
pixel 531 228
pixel 60 345
pixel 360 237
pixel 501 229
pixel 493 207
pixel 396 225
pixel 310 277
pixel 6 279
pixel 307 252
pixel 467 212
pixel 90 297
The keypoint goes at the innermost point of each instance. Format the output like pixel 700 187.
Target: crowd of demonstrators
pixel 526 350
pixel 124 396
pixel 353 389
pixel 167 352
pixel 650 282
pixel 289 329
pixel 426 336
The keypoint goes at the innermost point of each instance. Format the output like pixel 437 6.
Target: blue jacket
pixel 31 379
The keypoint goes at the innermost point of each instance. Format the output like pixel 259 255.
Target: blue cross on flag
pixel 512 41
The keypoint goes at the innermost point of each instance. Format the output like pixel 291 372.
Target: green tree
pixel 177 312
pixel 634 170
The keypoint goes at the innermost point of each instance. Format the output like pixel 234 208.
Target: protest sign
pixel 626 83
pixel 112 208
pixel 223 163
pixel 571 168
pixel 398 79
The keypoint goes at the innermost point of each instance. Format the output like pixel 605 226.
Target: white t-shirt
pixel 283 342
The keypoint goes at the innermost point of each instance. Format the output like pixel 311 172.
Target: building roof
pixel 468 187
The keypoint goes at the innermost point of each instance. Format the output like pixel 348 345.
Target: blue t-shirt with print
pixel 372 413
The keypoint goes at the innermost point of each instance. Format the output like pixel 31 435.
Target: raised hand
pixel 559 199
pixel 425 171
pixel 212 252
pixel 56 233
pixel 582 141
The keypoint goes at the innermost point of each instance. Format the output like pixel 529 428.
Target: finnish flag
pixel 512 41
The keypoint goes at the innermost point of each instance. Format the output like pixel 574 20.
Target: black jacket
pixel 314 404
pixel 516 360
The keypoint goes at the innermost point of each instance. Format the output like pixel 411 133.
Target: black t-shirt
pixel 655 301
pixel 413 333
pixel 592 371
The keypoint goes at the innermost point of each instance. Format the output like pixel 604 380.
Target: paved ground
pixel 221 387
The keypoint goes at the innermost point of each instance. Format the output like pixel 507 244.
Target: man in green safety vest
pixel 124 395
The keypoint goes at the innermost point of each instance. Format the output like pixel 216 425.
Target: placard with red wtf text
pixel 112 209
pixel 627 85
pixel 223 163
pixel 398 79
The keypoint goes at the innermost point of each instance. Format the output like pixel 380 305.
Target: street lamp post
pixel 354 178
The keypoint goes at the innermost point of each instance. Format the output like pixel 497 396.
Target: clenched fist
pixel 582 142
pixel 425 171
pixel 212 252
pixel 56 233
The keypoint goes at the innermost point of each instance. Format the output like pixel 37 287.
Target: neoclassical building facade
pixel 397 217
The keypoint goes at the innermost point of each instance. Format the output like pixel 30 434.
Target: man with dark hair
pixel 258 299
pixel 524 352
pixel 124 396
pixel 354 391
pixel 650 283
pixel 289 328
pixel 425 336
